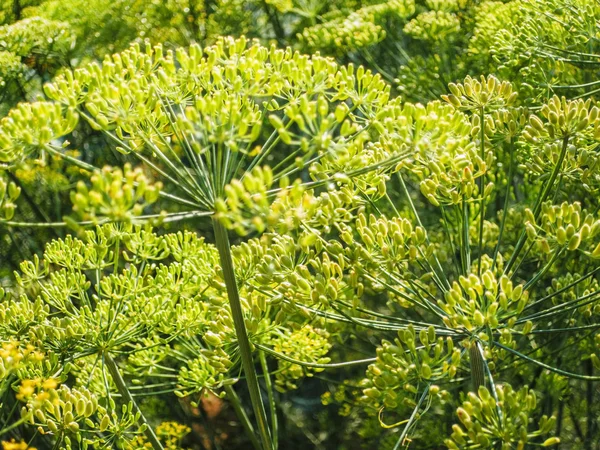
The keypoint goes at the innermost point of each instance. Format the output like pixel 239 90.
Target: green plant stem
pixel 442 273
pixel 482 202
pixel 538 204
pixel 566 330
pixel 91 168
pixel 379 166
pixel 223 246
pixel 465 248
pixel 477 366
pixel 14 425
pixel 111 365
pixel 590 420
pixel 491 382
pixel 446 223
pixel 272 405
pixel 412 419
pixel 37 210
pixel 17 8
pixel 422 325
pixel 544 269
pixel 314 365
pixel 546 366
pixel 372 324
pixel 166 218
pixel 274 20
pixel 237 406
pixel 563 289
pixel 562 308
pixel 506 200
pixel 559 419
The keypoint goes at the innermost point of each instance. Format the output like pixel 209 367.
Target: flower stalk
pixel 223 247
pixel 477 366
pixel 111 365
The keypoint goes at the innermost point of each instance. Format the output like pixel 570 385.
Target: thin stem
pixel 449 236
pixel 563 307
pixel 165 218
pixel 381 165
pixel 270 143
pixel 314 365
pixel 506 200
pixel 14 425
pixel 423 325
pixel 590 419
pixel 546 366
pixel 566 330
pixel 223 246
pixel 587 94
pixel 111 365
pixel 91 168
pixel 271 396
pixel 545 269
pixel 559 419
pixel 274 21
pixel 564 50
pixel 572 86
pixel 412 419
pixel 237 406
pixel 491 381
pixel 443 276
pixel 540 200
pixel 37 210
pixel 465 248
pixel 482 202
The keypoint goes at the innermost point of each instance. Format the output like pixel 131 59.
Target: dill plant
pixel 462 235
pixel 201 124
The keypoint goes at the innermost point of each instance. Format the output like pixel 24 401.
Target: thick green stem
pixel 477 366
pixel 222 243
pixel 111 365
